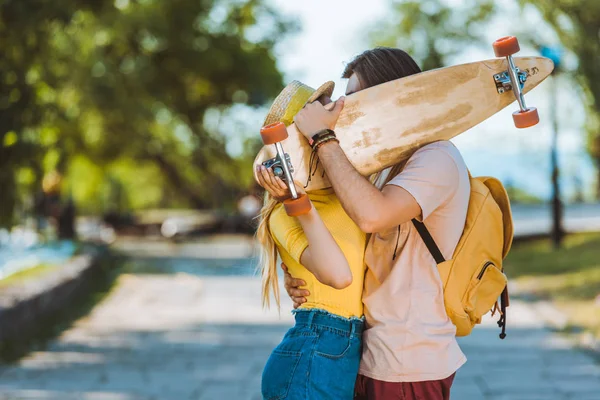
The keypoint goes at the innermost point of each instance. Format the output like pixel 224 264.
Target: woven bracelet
pixel 322 139
pixel 322 133
pixel 322 142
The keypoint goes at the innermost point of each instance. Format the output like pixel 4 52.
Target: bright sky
pixel 332 34
pixel 334 31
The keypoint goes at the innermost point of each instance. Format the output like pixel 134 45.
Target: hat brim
pixel 281 102
pixel 324 89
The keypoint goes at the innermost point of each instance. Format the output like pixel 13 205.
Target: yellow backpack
pixel 474 279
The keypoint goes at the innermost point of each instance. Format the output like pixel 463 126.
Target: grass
pixel 25 275
pixel 569 277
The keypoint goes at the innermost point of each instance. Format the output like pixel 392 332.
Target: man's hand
pixel 292 287
pixel 314 117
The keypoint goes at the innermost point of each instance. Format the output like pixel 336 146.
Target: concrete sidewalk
pixel 184 337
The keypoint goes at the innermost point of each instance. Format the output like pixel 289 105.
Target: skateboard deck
pixel 385 124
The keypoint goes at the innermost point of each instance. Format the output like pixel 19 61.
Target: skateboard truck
pixel 277 166
pixel 275 133
pixel 504 83
pixel 514 80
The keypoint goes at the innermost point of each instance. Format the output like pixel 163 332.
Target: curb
pixel 27 310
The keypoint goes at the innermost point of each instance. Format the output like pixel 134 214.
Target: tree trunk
pixel 597 179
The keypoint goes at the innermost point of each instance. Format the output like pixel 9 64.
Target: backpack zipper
pixel 487 264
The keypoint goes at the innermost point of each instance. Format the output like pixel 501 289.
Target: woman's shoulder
pixel 278 215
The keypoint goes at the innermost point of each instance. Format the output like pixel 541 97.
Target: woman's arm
pixel 323 257
pixel 371 209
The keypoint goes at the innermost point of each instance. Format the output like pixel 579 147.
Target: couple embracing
pixel 370 320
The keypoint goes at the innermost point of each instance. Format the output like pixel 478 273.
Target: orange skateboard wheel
pixel 296 207
pixel 274 133
pixel 525 119
pixel 506 46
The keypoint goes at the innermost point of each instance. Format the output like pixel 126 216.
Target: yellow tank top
pixel 291 243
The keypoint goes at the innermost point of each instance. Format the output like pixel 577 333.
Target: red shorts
pixel 372 389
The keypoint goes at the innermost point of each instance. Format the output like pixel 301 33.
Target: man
pixel 409 346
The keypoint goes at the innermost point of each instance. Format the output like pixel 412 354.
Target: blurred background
pixel 127 204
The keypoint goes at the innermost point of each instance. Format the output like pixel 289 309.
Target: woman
pixel 317 380
pixel 319 357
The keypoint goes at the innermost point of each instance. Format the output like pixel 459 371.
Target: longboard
pixel 385 124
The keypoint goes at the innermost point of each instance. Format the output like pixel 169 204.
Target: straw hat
pixel 292 99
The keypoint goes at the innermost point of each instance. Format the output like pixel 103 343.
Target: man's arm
pixel 373 210
pixel 292 286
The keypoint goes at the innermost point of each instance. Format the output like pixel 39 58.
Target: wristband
pixel 320 134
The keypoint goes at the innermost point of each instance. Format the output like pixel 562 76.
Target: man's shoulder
pixel 442 148
pixel 441 145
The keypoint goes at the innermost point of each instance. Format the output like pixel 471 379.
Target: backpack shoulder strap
pixel 429 242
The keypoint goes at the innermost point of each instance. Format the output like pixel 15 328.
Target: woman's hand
pixel 274 184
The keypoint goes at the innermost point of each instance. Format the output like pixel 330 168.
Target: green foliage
pixel 580 252
pixel 519 195
pixel 577 26
pixel 432 30
pixel 114 94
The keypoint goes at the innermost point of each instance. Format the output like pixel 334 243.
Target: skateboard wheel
pixel 274 133
pixel 525 119
pixel 299 206
pixel 506 46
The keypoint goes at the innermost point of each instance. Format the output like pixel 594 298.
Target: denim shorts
pixel 317 359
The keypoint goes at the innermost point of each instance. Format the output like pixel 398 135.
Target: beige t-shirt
pixel 409 337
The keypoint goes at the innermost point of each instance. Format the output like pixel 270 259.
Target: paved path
pixel 183 337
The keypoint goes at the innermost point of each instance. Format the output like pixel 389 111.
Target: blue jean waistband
pixel 325 319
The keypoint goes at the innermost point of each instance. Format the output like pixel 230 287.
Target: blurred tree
pixel 26 93
pixel 431 31
pixel 137 80
pixel 577 25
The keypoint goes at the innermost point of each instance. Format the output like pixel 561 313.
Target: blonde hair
pixel 268 253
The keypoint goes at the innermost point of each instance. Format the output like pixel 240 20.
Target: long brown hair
pixel 377 66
